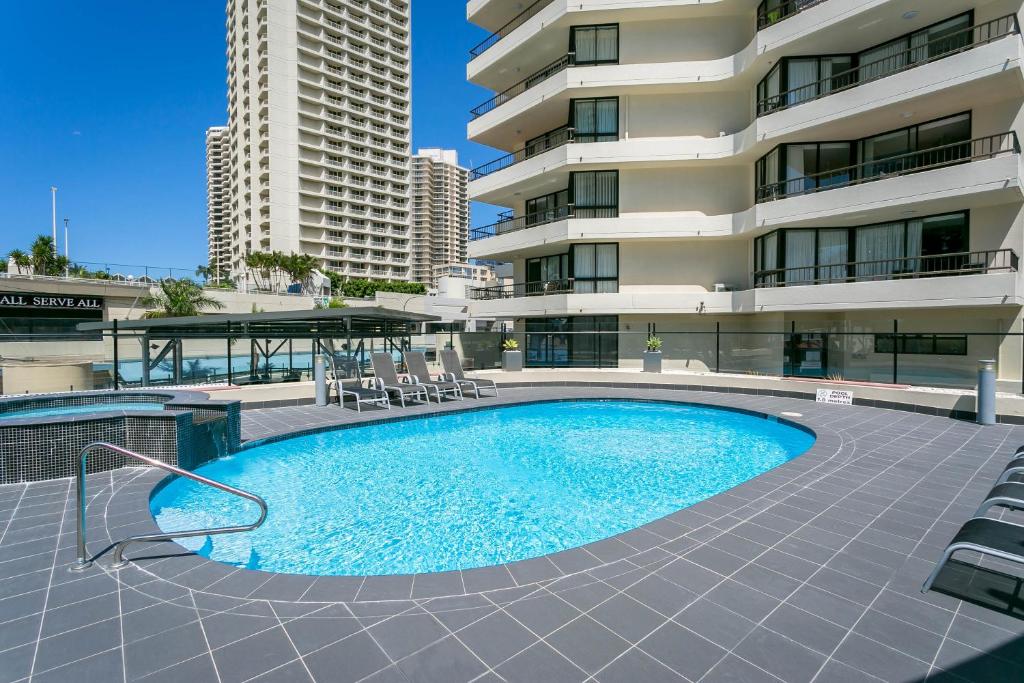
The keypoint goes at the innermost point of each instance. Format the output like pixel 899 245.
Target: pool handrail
pixel 119 562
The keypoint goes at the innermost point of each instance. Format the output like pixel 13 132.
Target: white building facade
pixel 217 202
pixel 319 133
pixel 824 188
pixel 440 213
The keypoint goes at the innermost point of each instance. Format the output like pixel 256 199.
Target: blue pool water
pixel 78 410
pixel 472 489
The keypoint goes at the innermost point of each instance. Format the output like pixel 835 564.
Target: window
pixel 547 208
pixel 594 44
pixel 595 268
pixel 595 194
pixel 596 120
pixel 922 344
pixel 794 169
pixel 581 341
pixel 798 79
pixel 937 245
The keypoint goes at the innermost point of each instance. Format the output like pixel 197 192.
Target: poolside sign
pixel 835 397
pixel 50 301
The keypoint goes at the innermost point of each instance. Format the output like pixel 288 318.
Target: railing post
pixel 117 383
pixel 228 341
pixel 83 562
pixel 895 351
pixel 718 346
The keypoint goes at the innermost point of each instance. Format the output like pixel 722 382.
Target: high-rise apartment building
pixel 217 199
pixel 440 213
pixel 842 174
pixel 319 133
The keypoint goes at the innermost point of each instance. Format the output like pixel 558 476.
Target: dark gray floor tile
pixel 826 605
pixel 661 595
pixel 627 617
pixel 682 650
pixel 540 663
pixel 732 669
pixel 743 600
pixel 100 667
pixel 541 614
pixel 898 634
pixel 73 645
pixel 487 579
pixel 437 584
pixel 253 656
pixel 879 660
pixel 587 643
pixel 385 588
pixel 496 637
pixel 348 660
pixel 780 656
pixel 292 672
pixel 16 662
pixel 402 635
pixel 805 628
pixel 637 666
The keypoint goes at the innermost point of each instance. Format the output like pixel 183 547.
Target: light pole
pixel 67 250
pixel 53 199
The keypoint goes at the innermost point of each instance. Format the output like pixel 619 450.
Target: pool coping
pixel 171 562
pixel 182 400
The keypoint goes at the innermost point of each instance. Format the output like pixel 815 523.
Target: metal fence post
pixel 895 351
pixel 718 347
pixel 228 339
pixel 117 383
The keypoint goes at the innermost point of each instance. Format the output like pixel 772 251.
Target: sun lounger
pixel 357 392
pixel 416 364
pixel 992 537
pixel 386 378
pixel 1016 467
pixel 454 373
pixel 1009 495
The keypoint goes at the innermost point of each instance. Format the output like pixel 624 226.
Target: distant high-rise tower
pixel 318 130
pixel 440 213
pixel 217 199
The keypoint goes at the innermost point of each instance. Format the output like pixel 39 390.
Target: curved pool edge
pixel 636 547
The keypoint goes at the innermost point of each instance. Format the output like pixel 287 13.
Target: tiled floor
pixel 810 572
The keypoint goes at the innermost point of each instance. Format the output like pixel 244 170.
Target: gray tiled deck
pixel 809 572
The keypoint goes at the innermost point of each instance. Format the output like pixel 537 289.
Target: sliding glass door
pixel 595 44
pixel 595 194
pixel 596 120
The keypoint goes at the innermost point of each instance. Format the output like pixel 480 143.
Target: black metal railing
pixel 962 263
pixel 517 21
pixel 768 17
pixel 556 138
pixel 521 289
pixel 512 224
pixel 903 164
pixel 555 67
pixel 940 48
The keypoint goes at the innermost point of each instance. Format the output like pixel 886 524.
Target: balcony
pixel 554 139
pixel 555 67
pixel 521 289
pixel 512 25
pixel 771 12
pixel 903 268
pixel 919 55
pixel 880 169
pixel 512 224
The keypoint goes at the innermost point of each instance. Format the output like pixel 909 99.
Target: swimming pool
pixel 53 411
pixel 475 488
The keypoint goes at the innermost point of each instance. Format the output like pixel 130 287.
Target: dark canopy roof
pixel 336 323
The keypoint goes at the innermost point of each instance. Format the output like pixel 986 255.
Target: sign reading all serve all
pixel 50 301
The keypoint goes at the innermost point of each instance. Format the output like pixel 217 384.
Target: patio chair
pixel 357 391
pixel 993 537
pixel 1015 466
pixel 386 379
pixel 454 373
pixel 416 363
pixel 1008 495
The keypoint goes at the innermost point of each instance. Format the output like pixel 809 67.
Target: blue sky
pixel 109 102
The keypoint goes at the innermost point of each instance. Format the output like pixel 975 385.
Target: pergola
pixel 320 327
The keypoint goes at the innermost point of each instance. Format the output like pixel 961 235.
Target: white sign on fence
pixel 835 397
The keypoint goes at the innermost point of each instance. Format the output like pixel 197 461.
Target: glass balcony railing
pixel 918 55
pixel 902 268
pixel 903 164
pixel 771 12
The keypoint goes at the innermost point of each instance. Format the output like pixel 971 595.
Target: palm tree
pixel 44 258
pixel 179 299
pixel 21 259
pixel 205 272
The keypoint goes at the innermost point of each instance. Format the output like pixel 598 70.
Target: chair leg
pixel 938 567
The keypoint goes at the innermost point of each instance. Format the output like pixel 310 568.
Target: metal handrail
pixel 982 34
pixel 556 138
pixel 516 21
pixel 521 289
pixel 84 562
pixel 536 78
pixel 954 153
pixel 903 267
pixel 522 222
pixel 766 17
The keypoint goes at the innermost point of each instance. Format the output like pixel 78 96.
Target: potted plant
pixel 511 356
pixel 652 355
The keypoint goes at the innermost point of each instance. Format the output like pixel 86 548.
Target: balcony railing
pixel 512 25
pixel 513 224
pixel 556 138
pixel 903 164
pixel 940 48
pixel 555 67
pixel 521 289
pixel 768 17
pixel 909 267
